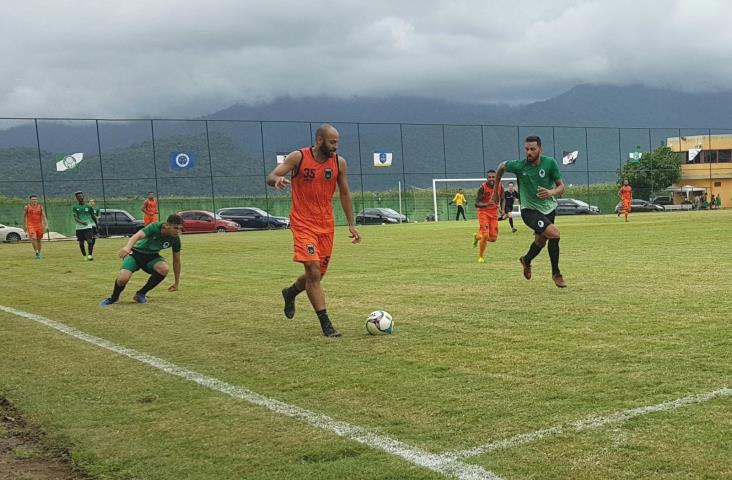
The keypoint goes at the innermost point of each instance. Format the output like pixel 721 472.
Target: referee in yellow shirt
pixel 459 200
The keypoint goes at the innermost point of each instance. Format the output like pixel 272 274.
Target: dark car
pixel 195 221
pixel 638 205
pixel 372 216
pixel 253 218
pixel 113 221
pixel 572 206
pixel 662 200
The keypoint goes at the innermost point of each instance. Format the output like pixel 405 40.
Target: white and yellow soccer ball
pixel 379 323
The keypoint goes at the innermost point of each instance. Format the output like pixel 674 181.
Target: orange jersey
pixel 313 186
pixel 34 215
pixel 626 193
pixel 150 207
pixel 484 196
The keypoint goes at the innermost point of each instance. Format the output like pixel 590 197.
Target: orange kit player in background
pixel 150 209
pixel 488 213
pixel 626 196
pixel 315 172
pixel 34 217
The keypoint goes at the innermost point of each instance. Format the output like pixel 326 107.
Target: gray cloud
pixel 174 58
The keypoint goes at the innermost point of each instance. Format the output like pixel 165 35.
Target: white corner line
pixel 444 464
pixel 589 423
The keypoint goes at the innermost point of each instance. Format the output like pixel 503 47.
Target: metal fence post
pixel 43 180
pixel 101 167
pixel 210 169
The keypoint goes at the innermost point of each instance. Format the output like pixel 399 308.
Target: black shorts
pixel 536 220
pixel 95 232
pixel 85 235
pixel 145 261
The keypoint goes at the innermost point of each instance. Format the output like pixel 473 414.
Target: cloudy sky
pixel 187 58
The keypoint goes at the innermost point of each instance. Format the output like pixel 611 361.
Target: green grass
pixel 478 354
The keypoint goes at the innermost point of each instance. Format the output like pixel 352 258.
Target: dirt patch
pixel 25 453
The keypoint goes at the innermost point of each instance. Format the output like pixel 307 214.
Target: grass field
pixel 479 355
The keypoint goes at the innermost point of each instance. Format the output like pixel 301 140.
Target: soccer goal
pixel 455 183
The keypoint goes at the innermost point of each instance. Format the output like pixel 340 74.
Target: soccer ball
pixel 379 323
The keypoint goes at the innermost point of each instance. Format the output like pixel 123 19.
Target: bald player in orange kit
pixel 315 172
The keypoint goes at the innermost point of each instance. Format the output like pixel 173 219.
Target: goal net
pixel 444 189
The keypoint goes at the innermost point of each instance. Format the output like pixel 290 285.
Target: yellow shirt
pixel 459 199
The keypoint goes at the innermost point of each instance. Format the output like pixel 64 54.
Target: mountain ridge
pixel 584 105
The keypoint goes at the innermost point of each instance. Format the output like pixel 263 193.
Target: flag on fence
pixel 68 162
pixel 182 160
pixel 568 158
pixel 693 152
pixel 281 157
pixel 382 159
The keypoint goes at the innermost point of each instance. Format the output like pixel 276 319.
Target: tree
pixel 655 171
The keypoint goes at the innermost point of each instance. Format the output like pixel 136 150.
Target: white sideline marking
pixel 447 465
pixel 589 423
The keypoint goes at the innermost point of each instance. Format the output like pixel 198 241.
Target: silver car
pixel 12 234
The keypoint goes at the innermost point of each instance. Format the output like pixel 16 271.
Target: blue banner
pixel 182 160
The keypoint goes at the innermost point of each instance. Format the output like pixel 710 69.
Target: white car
pixel 12 234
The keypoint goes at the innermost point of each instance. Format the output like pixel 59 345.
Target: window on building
pixel 710 156
pixel 724 156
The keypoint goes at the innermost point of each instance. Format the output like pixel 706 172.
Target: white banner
pixel 693 152
pixel 281 157
pixel 69 162
pixel 570 157
pixel 382 159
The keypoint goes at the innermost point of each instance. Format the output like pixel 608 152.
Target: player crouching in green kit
pixel 143 252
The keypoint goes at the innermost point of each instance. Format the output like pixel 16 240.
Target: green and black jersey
pixel 155 241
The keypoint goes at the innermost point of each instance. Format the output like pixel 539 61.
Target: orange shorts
pixel 312 246
pixel 35 232
pixel 489 225
pixel 626 206
pixel 148 219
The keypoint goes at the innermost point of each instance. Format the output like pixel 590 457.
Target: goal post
pixel 477 181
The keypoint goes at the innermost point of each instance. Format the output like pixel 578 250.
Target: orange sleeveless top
pixel 626 192
pixel 491 211
pixel 34 215
pixel 313 185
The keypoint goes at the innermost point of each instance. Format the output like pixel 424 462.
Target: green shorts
pixel 139 260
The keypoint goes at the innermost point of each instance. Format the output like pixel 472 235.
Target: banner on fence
pixel 69 162
pixel 182 160
pixel 382 159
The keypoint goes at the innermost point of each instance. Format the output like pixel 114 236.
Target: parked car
pixel 12 234
pixel 661 200
pixel 572 206
pixel 369 216
pixel 113 221
pixel 195 221
pixel 638 205
pixel 253 218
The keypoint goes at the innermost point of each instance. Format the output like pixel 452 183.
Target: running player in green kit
pixel 143 252
pixel 540 182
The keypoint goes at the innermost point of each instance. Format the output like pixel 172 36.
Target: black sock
pixel 117 291
pixel 152 282
pixel 534 250
pixel 82 247
pixel 553 249
pixel 91 247
pixel 322 315
pixel 510 221
pixel 293 291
